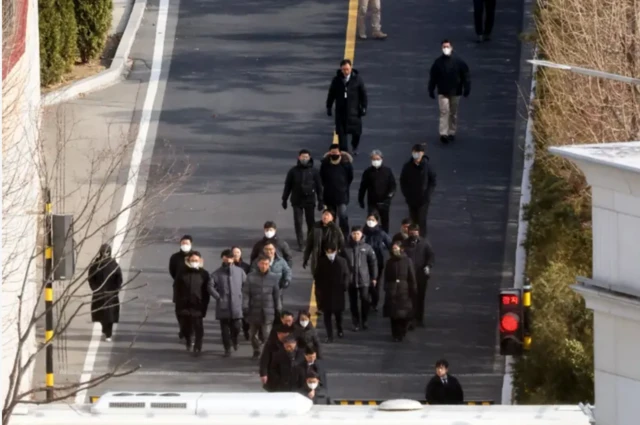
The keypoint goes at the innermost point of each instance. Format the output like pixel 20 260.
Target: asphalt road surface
pixel 244 92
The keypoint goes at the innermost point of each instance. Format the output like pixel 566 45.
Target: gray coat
pixel 261 297
pixel 279 267
pixel 363 264
pixel 226 288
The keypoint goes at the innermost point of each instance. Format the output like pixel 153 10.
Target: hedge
pixel 58 35
pixel 94 20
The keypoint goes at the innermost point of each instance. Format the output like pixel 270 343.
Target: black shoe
pixel 256 355
pixel 451 137
pixel 227 353
pixel 235 346
pixel 365 326
pixel 355 152
pixel 328 340
pixel 340 334
pixel 444 139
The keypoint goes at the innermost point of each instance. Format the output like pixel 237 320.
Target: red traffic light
pixel 510 300
pixel 509 323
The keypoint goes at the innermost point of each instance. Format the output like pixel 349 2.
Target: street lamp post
pixel 585 71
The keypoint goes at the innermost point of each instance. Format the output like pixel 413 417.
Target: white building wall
pixel 20 200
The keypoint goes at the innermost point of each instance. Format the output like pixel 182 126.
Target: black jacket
pixel 271 346
pixel 244 266
pixel 336 179
pixel 287 372
pixel 303 184
pixel 379 184
pixel 105 281
pixel 322 392
pixel 418 182
pixel 363 263
pixel 450 75
pixel 379 240
pixel 192 292
pixel 282 248
pixel 176 263
pixel 400 288
pixel 421 254
pixel 318 239
pixel 307 337
pixel 439 393
pixel 351 102
pixel 331 281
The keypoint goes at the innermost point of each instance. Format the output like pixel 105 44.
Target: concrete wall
pixel 20 189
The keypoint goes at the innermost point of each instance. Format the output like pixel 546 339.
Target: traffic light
pixel 511 322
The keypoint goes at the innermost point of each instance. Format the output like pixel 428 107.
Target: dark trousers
pixel 374 290
pixel 488 9
pixel 193 328
pixel 230 328
pixel 383 212
pixel 342 140
pixel 399 328
pixel 418 215
pixel 245 329
pixel 422 292
pixel 181 333
pixel 107 329
pixel 328 323
pixel 359 313
pixel 309 217
pixel 342 218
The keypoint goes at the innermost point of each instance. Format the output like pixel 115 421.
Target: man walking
pixel 347 90
pixel 376 27
pixel 281 245
pixel 177 262
pixel 364 274
pixel 488 9
pixel 304 186
pixel 379 184
pixel 444 388
pixel 261 301
pixel 331 281
pixel 336 172
pixel 417 183
pixel 325 232
pixel 421 254
pixel 226 288
pixel 450 75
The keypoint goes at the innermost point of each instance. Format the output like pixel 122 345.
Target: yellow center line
pixel 349 53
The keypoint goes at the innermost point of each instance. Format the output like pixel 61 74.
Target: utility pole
pixel 48 293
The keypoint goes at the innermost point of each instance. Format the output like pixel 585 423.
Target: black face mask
pixel 334 157
pixel 413 238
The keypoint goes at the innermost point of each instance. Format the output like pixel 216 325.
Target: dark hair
pixel 442 362
pixel 418 147
pixel 445 41
pixel 331 246
pixel 356 228
pixel 334 146
pixel 414 227
pixel 374 214
pixel 312 374
pixel 284 329
pixel 286 313
pixel 290 338
pixel 406 221
pixel 269 243
pixel 310 349
pixel 269 225
pixel 192 253
pixel 262 258
pixel 302 151
pixel 304 313
pixel 397 242
pixel 227 253
pixel 330 211
pixel 186 238
pixel 344 62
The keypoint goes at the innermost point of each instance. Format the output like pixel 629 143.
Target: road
pixel 244 91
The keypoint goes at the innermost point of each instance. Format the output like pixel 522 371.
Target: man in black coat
pixel 176 263
pixel 324 232
pixel 274 344
pixel 331 281
pixel 444 388
pixel 450 75
pixel 417 183
pixel 304 186
pixel 312 365
pixel 379 183
pixel 192 300
pixel 421 254
pixel 347 90
pixel 282 247
pixel 105 281
pixel 286 369
pixel 336 173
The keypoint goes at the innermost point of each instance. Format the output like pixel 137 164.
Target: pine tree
pixel 94 20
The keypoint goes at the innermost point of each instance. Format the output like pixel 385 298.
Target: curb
pixel 110 76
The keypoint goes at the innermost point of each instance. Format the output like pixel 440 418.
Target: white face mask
pixel 194 264
pixel 376 163
pixel 416 155
pixel 312 385
pixel 304 323
pixel 447 51
pixel 270 233
pixel 185 248
pixel 331 256
pixel 371 223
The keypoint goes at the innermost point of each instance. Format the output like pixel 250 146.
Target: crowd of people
pixel 342 259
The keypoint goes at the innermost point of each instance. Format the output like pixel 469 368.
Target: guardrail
pixel 378 402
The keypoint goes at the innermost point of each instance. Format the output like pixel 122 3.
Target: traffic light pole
pixel 48 294
pixel 526 304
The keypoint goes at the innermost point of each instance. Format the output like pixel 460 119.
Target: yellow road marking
pixel 349 53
